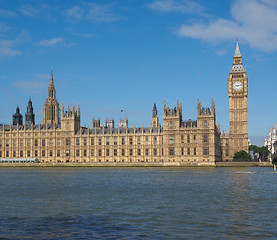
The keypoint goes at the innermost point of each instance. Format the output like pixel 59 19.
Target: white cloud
pixel 34 86
pixel 183 6
pixel 6 49
pixel 7 13
pixel 51 42
pixel 254 20
pixel 91 11
pixel 28 11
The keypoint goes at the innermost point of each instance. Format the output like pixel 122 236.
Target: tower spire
pixel 237 52
pixel 51 105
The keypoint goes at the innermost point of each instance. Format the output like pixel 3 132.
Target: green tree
pixel 242 156
pixel 262 151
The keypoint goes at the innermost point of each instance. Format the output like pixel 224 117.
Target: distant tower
pixel 71 118
pixel 238 92
pixel 123 122
pixel 109 123
pixel 17 117
pixel 30 116
pixel 51 110
pixel 155 118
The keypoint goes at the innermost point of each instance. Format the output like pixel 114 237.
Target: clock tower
pixel 238 92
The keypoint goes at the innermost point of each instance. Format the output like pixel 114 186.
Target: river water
pixel 138 203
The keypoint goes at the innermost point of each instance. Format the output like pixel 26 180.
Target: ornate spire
pixel 154 112
pixel 237 52
pixel 51 106
pixel 51 79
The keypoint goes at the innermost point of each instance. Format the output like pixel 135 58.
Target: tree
pixel 242 156
pixel 262 151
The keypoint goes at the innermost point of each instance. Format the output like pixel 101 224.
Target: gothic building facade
pixel 61 138
pixel 271 140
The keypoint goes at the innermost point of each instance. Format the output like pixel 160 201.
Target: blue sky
pixel 126 54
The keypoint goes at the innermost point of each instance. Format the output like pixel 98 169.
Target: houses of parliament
pixel 60 138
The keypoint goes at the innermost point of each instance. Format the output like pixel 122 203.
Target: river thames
pixel 138 203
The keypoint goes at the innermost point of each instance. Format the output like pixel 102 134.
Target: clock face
pixel 237 86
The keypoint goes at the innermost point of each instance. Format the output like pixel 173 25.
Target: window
pixel 130 141
pixel 155 140
pixel 29 142
pixel 0 143
pixel 227 142
pixel 99 141
pixel 188 139
pixel 0 153
pixel 122 152
pixel 67 142
pixel 77 153
pixel 194 138
pixel 138 140
pixel 205 123
pixel 171 139
pixel 194 151
pixel 67 125
pixel 14 143
pixel 36 143
pixel 182 151
pixel 14 154
pixel 58 153
pixel 51 142
pixel 146 152
pixel 115 152
pixel 182 138
pixel 21 153
pixel 171 124
pixel 7 153
pixel 85 152
pixel 107 141
pixel 171 151
pixel 36 153
pixel 43 153
pixel 107 152
pixel 7 143
pixel 146 140
pixel 155 151
pixel 51 153
pixel 115 141
pixel 21 143
pixel 77 142
pixel 85 142
pixel 131 152
pixel 67 152
pixel 123 141
pixel 205 151
pixel 58 142
pixel 188 151
pixel 227 153
pixel 43 142
pixel 92 152
pixel 92 141
pixel 205 138
pixel 139 152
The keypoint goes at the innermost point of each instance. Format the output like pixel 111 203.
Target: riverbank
pixel 122 164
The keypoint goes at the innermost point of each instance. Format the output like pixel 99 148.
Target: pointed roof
pixel 51 78
pixel 154 112
pixel 237 52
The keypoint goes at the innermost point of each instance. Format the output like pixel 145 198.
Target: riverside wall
pixel 109 164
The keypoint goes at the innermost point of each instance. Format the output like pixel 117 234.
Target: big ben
pixel 238 93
